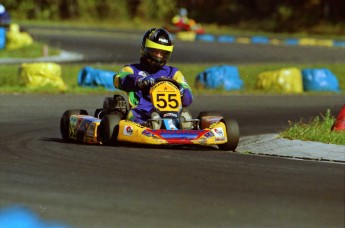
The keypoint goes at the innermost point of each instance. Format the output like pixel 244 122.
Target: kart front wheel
pixel 109 129
pixel 65 121
pixel 233 134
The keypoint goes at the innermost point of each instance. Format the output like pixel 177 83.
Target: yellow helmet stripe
pixel 151 44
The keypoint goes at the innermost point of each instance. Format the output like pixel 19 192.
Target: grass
pixel 317 129
pixel 11 82
pixel 33 51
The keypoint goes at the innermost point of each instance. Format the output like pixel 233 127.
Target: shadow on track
pixel 138 146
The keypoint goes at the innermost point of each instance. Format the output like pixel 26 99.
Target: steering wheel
pixel 146 94
pixel 168 80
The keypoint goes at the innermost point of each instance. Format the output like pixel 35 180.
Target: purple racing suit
pixel 127 79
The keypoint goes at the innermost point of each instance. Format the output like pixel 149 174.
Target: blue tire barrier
pixel 225 77
pixel 226 39
pixel 339 43
pixel 91 77
pixel 266 40
pixel 291 42
pixel 260 40
pixel 321 79
pixel 205 37
pixel 2 38
pixel 21 217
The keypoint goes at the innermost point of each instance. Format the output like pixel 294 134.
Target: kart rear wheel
pixel 233 134
pixel 64 122
pixel 205 121
pixel 109 129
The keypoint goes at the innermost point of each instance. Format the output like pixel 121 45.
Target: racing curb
pixel 272 145
pixel 63 57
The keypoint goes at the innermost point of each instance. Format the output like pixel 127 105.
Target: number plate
pixel 166 97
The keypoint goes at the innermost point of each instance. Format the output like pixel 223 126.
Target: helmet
pixel 2 9
pixel 156 48
pixel 183 12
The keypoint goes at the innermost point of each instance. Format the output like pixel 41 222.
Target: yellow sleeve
pixel 120 75
pixel 175 19
pixel 181 80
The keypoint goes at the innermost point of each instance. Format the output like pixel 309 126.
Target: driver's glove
pixel 145 82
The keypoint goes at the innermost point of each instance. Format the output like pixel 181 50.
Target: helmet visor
pixel 157 54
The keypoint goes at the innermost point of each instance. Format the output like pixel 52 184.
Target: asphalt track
pixel 100 45
pixel 135 186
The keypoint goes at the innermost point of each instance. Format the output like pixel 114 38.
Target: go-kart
pixel 170 124
pixel 175 29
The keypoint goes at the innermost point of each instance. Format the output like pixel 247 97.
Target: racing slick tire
pixel 109 129
pixel 64 122
pixel 206 122
pixel 233 134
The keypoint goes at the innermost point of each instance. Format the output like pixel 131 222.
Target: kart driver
pixel 135 79
pixel 5 18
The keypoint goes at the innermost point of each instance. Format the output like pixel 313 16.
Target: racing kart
pixel 170 124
